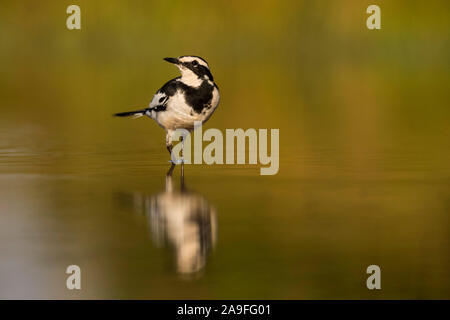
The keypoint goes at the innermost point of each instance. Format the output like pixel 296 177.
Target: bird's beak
pixel 172 60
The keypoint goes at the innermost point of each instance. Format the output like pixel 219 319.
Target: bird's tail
pixel 134 114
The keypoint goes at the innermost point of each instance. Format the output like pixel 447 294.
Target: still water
pixel 222 232
pixel 364 173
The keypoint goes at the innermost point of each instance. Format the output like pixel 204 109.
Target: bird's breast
pixel 188 105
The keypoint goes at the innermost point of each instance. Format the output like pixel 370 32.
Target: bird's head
pixel 192 67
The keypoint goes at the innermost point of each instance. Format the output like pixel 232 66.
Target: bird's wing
pixel 159 101
pixel 161 97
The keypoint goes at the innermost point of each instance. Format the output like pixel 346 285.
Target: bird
pixel 184 100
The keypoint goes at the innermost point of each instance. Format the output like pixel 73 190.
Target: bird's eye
pixel 194 63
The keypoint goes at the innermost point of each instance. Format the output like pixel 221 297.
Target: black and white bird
pixel 184 100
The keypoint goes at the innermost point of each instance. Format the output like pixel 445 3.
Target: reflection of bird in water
pixel 182 219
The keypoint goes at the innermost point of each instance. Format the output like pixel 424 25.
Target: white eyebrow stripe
pixel 189 59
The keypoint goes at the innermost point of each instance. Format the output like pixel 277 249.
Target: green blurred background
pixel 364 148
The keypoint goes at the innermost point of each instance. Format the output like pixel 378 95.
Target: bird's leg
pixel 182 149
pixel 169 173
pixel 169 145
pixel 169 185
pixel 169 148
pixel 182 163
pixel 182 177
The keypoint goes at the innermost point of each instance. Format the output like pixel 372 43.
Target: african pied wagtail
pixel 180 102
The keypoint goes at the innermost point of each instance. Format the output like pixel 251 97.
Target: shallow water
pixel 308 232
pixel 364 154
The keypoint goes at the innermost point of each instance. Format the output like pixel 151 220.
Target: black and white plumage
pixel 184 100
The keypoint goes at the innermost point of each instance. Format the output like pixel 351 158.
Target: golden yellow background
pixel 364 148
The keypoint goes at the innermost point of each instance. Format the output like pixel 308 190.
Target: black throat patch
pixel 198 98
